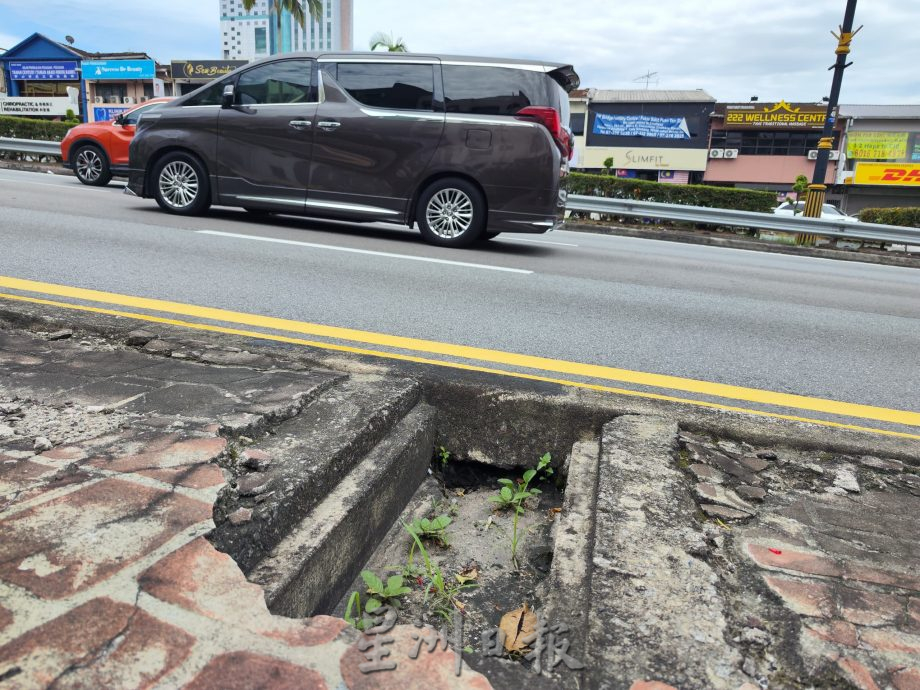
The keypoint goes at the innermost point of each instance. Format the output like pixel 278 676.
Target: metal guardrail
pixel 745 219
pixel 41 148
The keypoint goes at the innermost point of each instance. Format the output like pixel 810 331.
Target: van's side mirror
pixel 226 100
pixel 120 120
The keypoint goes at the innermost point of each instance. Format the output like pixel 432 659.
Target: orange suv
pixel 97 151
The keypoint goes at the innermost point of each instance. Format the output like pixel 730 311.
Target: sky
pixel 734 49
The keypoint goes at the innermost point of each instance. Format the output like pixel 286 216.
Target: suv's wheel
pixel 91 166
pixel 180 184
pixel 451 213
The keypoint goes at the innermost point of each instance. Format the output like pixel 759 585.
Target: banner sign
pixel 118 70
pixel 44 71
pixel 877 145
pixel 29 105
pixel 104 114
pixel 204 70
pixel 780 115
pixel 641 126
pixel 890 174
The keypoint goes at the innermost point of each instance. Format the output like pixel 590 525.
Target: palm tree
pixel 384 40
pixel 295 7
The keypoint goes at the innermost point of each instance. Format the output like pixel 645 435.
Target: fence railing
pixel 33 146
pixel 744 219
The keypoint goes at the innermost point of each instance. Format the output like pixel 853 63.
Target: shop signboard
pixel 646 126
pixel 203 70
pixel 37 105
pixel 877 146
pixel 782 115
pixel 118 70
pixel 888 174
pixel 44 71
pixel 104 113
pixel 646 158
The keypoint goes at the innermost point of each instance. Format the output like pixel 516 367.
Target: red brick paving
pixel 247 671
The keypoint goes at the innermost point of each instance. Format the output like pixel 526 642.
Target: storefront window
pixel 768 143
pixel 46 89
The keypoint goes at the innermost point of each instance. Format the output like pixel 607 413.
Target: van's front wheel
pixel 451 213
pixel 181 184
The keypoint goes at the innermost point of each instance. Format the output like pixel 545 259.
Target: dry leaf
pixel 467 575
pixel 460 492
pixel 517 625
pixel 553 512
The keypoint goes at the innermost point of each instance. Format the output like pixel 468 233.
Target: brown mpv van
pixel 465 147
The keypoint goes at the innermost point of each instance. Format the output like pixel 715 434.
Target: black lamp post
pixel 817 190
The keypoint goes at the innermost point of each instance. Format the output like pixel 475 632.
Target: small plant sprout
pixel 443 455
pixel 440 593
pixel 379 593
pixel 513 495
pixel 433 530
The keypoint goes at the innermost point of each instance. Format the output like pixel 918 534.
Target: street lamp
pixel 817 190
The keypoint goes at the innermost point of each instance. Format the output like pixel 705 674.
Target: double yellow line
pixel 418 347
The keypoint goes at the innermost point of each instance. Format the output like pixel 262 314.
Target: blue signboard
pixel 105 114
pixel 640 126
pixel 47 71
pixel 118 70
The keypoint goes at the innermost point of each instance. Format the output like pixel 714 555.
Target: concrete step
pixel 314 565
pixel 308 456
pixel 648 594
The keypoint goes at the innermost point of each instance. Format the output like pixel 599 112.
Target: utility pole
pixel 817 189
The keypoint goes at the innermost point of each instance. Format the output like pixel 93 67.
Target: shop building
pixel 188 75
pixel 41 78
pixel 115 82
pixel 657 135
pixel 881 156
pixel 767 145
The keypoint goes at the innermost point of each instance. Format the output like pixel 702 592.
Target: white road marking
pixel 363 251
pixel 527 239
pixel 76 185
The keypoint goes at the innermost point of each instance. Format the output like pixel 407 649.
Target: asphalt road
pixel 838 330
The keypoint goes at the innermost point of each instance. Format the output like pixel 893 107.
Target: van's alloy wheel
pixel 178 183
pixel 452 212
pixel 449 213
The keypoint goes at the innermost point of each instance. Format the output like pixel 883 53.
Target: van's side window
pixel 211 95
pixel 492 90
pixel 285 81
pixel 381 85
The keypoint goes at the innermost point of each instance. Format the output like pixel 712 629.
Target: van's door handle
pixel 328 125
pixel 300 124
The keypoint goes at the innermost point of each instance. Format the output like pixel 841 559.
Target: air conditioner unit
pixel 128 100
pixel 98 99
pixel 717 153
pixel 144 99
pixel 833 155
pixel 114 99
pixel 731 153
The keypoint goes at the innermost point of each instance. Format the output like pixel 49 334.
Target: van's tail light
pixel 549 117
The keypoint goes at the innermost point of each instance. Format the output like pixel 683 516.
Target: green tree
pixel 385 40
pixel 295 7
pixel 800 187
pixel 608 165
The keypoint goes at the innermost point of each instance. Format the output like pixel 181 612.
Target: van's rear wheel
pixel 181 185
pixel 451 213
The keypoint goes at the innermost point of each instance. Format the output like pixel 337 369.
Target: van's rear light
pixel 549 117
